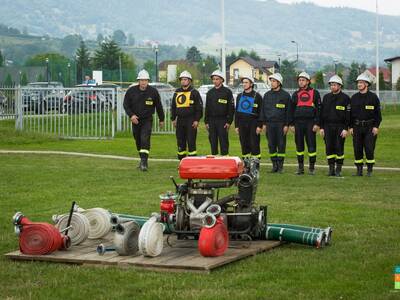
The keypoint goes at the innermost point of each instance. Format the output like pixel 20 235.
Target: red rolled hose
pixel 214 241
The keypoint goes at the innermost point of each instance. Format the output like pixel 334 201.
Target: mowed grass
pixel 364 213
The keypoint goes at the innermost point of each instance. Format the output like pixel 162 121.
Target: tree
pixel 243 53
pixel 289 73
pixel 40 78
pixel 193 54
pixel 107 57
pixel 100 38
pixel 319 80
pixel 398 84
pixel 354 72
pixel 207 66
pixel 119 37
pixel 8 81
pixel 24 79
pixel 150 67
pixel 253 54
pixel 57 64
pixel 1 59
pixel 382 83
pixel 82 60
pixel 230 58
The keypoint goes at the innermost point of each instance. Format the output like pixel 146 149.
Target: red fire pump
pixel 197 212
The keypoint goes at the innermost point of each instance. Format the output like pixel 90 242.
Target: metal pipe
pixel 295 236
pixel 327 231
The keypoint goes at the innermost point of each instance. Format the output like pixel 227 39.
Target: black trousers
pixel 249 139
pixel 304 132
pixel 217 133
pixel 363 141
pixel 334 143
pixel 276 141
pixel 142 133
pixel 186 137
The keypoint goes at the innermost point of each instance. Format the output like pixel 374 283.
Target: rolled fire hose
pixel 296 236
pixel 213 241
pixel 99 222
pixel 151 240
pixel 39 238
pixel 80 226
pixel 328 230
pixel 126 238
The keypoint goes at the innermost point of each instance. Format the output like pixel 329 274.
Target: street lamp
pixel 279 62
pixel 69 74
pixel 297 47
pixel 47 70
pixel 335 62
pixel 156 51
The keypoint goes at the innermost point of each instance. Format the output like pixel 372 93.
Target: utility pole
pixel 377 49
pixel 223 55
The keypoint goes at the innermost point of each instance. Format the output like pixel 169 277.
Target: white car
pixel 260 87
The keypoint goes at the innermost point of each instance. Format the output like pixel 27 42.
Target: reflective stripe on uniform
pixel 359 161
pixel 370 161
pixel 256 156
pixel 312 154
pixel 144 151
pixel 300 153
pixel 340 157
pixel 331 156
pixel 281 154
pixel 182 152
pixel 246 155
pixel 192 153
pixel 273 154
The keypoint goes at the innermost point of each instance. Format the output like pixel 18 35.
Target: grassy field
pixel 364 213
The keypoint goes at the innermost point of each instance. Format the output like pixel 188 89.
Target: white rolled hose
pixel 79 227
pixel 151 240
pixel 99 221
pixel 126 238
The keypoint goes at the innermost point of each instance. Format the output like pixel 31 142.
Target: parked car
pixel 89 98
pixel 203 89
pixel 260 87
pixel 42 97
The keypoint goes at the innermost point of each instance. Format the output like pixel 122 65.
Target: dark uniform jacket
pixel 365 107
pixel 306 105
pixel 143 103
pixel 219 105
pixel 276 107
pixel 335 110
pixel 248 107
pixel 186 103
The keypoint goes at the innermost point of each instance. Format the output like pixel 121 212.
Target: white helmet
pixel 218 73
pixel 247 77
pixel 277 77
pixel 364 77
pixel 304 75
pixel 143 74
pixel 185 74
pixel 336 79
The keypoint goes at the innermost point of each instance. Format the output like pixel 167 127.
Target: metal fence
pixel 90 112
pixel 68 113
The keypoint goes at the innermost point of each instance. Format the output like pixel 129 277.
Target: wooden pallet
pixel 176 256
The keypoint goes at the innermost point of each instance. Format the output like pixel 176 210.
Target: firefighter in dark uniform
pixel 218 115
pixel 140 102
pixel 247 113
pixel 306 103
pixel 365 118
pixel 186 112
pixel 334 121
pixel 276 117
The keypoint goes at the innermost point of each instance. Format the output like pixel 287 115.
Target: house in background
pixel 395 61
pixel 371 72
pixel 247 66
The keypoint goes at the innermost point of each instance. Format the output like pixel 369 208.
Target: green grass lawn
pixel 364 212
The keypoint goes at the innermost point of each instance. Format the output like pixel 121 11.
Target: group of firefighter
pixel 334 117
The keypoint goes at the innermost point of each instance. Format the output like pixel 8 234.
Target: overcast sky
pixel 387 7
